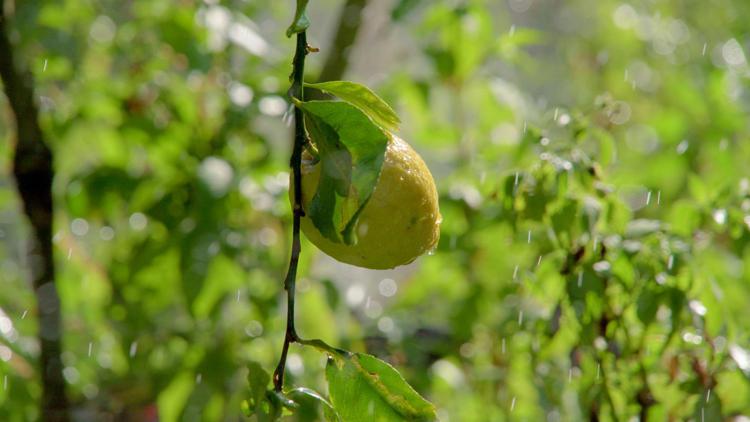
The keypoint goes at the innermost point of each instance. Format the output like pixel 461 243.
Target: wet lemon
pixel 400 222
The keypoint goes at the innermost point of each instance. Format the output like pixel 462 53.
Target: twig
pixel 295 91
pixel 32 169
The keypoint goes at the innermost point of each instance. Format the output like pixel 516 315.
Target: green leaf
pixel 301 22
pixel 258 379
pixel 364 388
pixel 351 150
pixel 311 404
pixel 364 99
pixel 263 403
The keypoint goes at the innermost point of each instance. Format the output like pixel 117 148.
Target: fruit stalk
pixel 295 92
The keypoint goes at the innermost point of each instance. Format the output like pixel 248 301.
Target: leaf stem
pixel 295 91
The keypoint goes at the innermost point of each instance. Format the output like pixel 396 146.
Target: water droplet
pixel 720 216
pixel 387 287
pixel 385 324
pixel 355 294
pixel 682 147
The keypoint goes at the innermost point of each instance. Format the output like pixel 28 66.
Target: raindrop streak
pixel 524 127
pixel 708 395
pixel 5 382
pixel 658 197
pixel 670 263
pixel 238 295
pixel 133 348
pixel 520 317
pixel 580 278
pixel 539 261
pixel 70 253
pixel 598 368
pixel 515 272
pixel 44 69
pixel 705 45
pixel 512 30
pixel 570 375
pixel 515 183
pixel 23 315
pixel 648 198
pixel 626 75
pixel 596 243
pixel 512 404
pixel 503 346
pixel 556 111
pixel 198 378
pixel 91 346
pixel 703 414
pixel 528 240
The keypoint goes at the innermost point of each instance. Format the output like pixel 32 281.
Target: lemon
pixel 400 222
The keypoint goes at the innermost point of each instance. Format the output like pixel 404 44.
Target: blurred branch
pixel 32 169
pixel 337 60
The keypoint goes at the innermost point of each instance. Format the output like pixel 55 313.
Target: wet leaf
pixel 364 388
pixel 364 99
pixel 352 150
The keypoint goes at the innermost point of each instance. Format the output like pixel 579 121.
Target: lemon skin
pixel 400 222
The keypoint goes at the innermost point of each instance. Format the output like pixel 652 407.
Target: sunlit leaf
pixel 351 150
pixel 364 99
pixel 364 388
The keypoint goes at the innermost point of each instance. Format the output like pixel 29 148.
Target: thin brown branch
pixel 296 91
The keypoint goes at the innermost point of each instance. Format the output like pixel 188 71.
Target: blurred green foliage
pixel 591 159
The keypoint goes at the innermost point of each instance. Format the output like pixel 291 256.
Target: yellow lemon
pixel 400 222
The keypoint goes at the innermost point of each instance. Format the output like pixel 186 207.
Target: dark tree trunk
pixel 32 169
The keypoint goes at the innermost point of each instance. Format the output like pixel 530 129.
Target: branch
pixel 337 60
pixel 33 172
pixel 295 91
